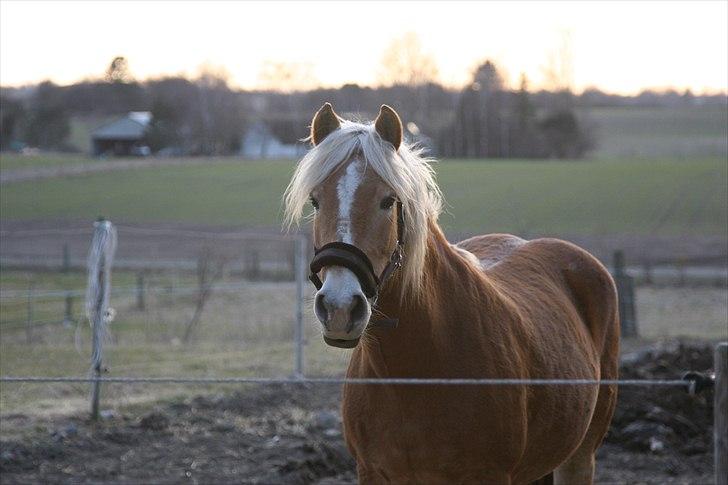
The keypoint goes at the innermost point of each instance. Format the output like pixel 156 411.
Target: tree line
pixel 206 116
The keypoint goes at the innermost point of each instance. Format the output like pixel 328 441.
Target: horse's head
pixel 356 207
pixel 369 192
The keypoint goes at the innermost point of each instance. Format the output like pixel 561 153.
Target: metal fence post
pixel 625 291
pixel 720 414
pixel 300 257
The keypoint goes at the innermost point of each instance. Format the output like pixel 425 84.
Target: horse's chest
pixel 419 427
pixel 448 429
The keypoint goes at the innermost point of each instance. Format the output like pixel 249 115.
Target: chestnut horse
pixel 493 306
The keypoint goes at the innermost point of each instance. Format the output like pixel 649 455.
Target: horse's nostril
pixel 358 309
pixel 320 309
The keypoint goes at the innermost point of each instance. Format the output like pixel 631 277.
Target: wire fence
pixel 134 296
pixel 357 381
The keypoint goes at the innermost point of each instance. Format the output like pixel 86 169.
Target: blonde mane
pixel 405 170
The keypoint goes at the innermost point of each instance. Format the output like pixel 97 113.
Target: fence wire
pixel 347 380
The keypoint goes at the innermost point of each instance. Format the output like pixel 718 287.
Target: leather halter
pixel 354 259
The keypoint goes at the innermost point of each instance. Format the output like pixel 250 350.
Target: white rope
pixel 98 289
pixel 345 380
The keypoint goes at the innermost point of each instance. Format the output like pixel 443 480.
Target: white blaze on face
pixel 340 285
pixel 346 190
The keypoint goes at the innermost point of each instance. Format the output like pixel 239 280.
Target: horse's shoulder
pixel 491 249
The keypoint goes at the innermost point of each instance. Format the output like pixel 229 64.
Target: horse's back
pixel 491 249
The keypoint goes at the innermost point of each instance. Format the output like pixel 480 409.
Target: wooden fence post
pixel 68 311
pixel 29 318
pixel 140 303
pixel 681 279
pixel 625 291
pixel 66 259
pixel 97 345
pixel 647 267
pixel 251 261
pixel 720 414
pixel 103 246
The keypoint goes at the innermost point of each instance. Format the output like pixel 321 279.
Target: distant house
pixel 123 137
pixel 259 142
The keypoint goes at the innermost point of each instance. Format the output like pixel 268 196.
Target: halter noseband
pixel 351 257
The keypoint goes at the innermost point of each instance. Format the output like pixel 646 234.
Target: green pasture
pixel 10 161
pixel 534 197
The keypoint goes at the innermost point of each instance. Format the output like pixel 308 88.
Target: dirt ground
pixel 292 435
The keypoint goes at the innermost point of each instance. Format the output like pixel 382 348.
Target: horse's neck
pixel 423 315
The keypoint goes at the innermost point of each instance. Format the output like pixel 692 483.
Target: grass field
pixel 535 197
pixel 15 162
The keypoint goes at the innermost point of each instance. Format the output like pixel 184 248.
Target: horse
pixel 413 305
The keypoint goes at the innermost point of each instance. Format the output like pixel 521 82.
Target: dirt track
pixel 293 435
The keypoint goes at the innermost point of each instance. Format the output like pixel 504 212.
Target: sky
pixel 620 47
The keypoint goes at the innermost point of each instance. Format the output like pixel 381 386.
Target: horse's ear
pixel 389 126
pixel 325 121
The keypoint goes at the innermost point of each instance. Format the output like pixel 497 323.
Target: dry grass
pixel 682 312
pixel 243 333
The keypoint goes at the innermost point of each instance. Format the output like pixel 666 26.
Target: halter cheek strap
pixel 351 257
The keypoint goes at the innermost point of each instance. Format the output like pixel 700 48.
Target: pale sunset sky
pixel 620 47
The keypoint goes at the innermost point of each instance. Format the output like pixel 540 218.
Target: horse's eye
pixel 387 203
pixel 314 203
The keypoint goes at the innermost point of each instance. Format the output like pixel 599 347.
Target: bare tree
pixel 405 62
pixel 220 117
pixel 559 69
pixel 287 77
pixel 209 270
